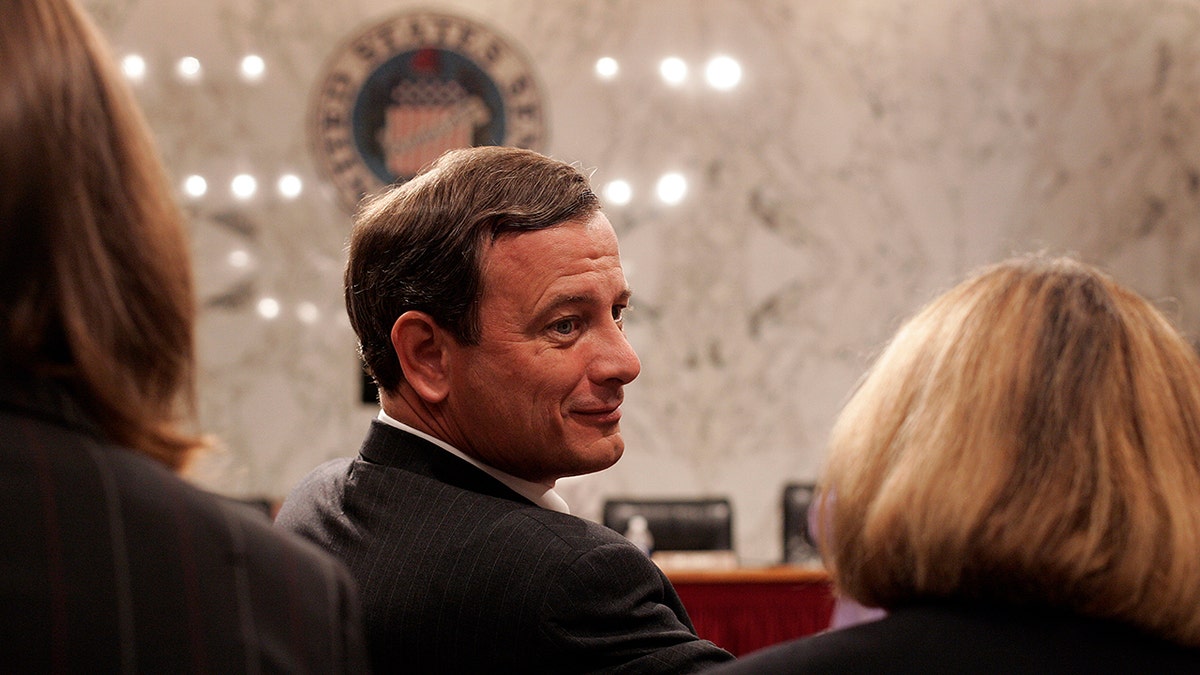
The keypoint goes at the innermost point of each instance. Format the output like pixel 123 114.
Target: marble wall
pixel 873 152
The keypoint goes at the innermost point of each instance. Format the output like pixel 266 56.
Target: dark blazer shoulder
pixel 185 578
pixel 447 556
pixel 953 637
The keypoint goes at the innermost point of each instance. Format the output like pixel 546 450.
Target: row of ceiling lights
pixel 721 72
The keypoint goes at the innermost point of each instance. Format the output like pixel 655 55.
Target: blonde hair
pixel 1031 437
pixel 95 273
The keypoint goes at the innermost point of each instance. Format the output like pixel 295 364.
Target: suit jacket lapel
pixel 388 446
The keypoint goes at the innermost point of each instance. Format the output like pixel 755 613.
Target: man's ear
pixel 420 345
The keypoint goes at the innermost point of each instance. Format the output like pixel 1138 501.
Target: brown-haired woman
pixel 1017 481
pixel 108 560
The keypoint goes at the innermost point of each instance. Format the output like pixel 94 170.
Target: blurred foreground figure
pixel 109 562
pixel 1017 482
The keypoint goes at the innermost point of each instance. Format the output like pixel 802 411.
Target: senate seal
pixel 403 91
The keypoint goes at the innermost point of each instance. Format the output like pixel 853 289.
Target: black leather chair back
pixel 677 524
pixel 799 545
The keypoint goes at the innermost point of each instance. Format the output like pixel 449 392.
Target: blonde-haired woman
pixel 109 562
pixel 1017 481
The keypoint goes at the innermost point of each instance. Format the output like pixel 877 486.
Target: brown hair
pixel 95 278
pixel 1030 437
pixel 419 245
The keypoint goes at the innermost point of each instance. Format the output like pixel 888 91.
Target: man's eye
pixel 564 326
pixel 618 312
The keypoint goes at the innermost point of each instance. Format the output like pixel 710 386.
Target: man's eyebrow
pixel 568 299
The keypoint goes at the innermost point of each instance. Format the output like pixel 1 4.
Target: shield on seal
pixel 426 118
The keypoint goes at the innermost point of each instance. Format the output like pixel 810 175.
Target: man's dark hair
pixel 419 245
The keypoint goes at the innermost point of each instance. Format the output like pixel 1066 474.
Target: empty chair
pixel 799 544
pixel 677 524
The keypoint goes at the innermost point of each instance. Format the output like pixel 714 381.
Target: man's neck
pixel 542 494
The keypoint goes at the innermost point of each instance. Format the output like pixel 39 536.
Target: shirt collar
pixel 541 494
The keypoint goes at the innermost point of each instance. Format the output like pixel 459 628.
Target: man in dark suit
pixel 487 294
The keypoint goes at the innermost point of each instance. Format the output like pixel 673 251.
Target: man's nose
pixel 616 359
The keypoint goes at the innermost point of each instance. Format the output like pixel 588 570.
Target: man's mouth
pixel 609 414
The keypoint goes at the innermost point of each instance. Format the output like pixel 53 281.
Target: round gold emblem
pixel 403 91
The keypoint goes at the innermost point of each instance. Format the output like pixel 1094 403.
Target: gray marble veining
pixel 873 152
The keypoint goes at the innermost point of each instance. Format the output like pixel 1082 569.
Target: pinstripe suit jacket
pixel 111 563
pixel 459 574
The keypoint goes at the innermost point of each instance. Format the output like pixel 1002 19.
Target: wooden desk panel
pixel 743 610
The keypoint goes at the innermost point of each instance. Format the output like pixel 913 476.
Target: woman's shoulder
pixel 962 637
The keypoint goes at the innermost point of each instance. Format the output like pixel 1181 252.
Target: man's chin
pixel 600 455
